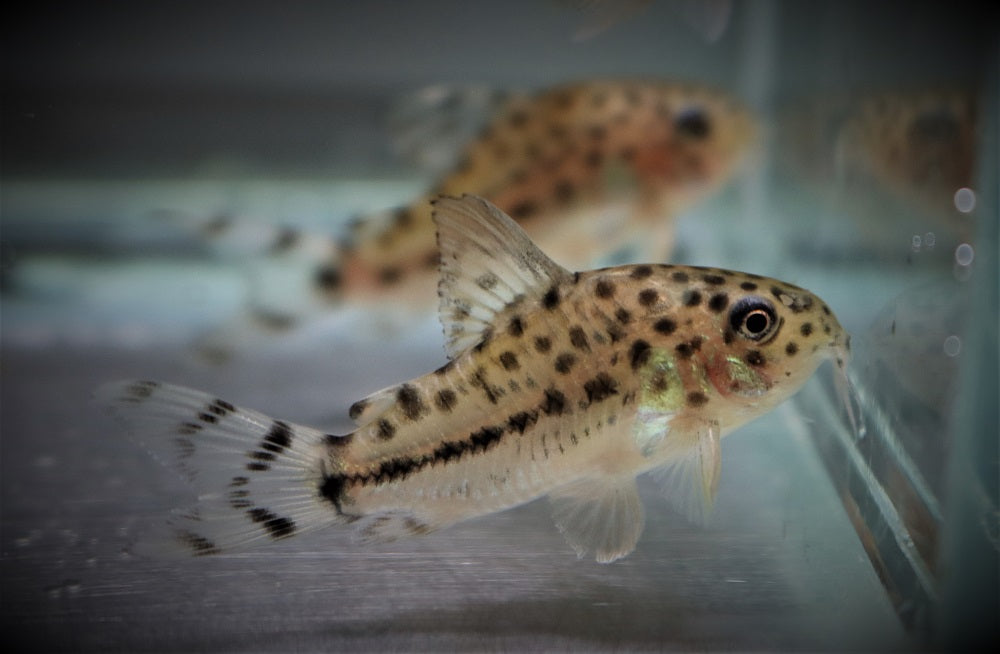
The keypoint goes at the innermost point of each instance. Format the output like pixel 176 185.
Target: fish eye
pixel 693 122
pixel 753 318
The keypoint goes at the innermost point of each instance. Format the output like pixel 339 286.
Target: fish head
pixel 738 345
pixel 710 134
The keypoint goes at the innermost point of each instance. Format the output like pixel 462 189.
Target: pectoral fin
pixel 691 482
pixel 603 515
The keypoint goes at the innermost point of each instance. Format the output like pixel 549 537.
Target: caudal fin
pixel 257 478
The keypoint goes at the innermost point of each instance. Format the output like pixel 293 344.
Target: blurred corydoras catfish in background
pixel 586 169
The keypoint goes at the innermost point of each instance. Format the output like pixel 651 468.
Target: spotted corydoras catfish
pixel 559 384
pixel 586 169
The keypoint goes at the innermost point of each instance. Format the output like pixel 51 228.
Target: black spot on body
pixel 257 466
pixel 641 272
pixel 639 354
pixel 390 275
pixel 509 361
pixel 578 338
pixel 385 429
pixel 714 280
pixel 697 398
pixel 691 298
pixel 748 286
pixel 551 298
pixel 403 217
pixel 523 209
pixel 516 326
pixel 684 350
pixel 791 349
pixel 755 358
pixel 565 362
pixel 554 402
pixel 605 289
pixel 648 297
pixel 336 442
pixel 445 400
pixel 718 302
pixel 564 191
pixel 806 329
pixel 594 158
pixel 615 332
pixel 410 403
pixel 680 277
pixel 623 316
pixel 665 326
pixel 518 118
pixel 543 344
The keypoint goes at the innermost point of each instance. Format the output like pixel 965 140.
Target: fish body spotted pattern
pixel 558 383
pixel 586 169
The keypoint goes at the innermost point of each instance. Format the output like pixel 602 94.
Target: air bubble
pixel 965 200
pixel 964 254
pixel 952 345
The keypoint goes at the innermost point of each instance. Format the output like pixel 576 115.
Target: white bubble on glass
pixel 952 345
pixel 965 199
pixel 964 254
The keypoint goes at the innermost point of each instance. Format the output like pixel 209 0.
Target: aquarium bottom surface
pixel 778 566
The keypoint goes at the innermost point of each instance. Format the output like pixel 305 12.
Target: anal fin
pixel 603 515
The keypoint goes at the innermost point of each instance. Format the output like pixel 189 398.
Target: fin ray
pixel 256 477
pixel 487 263
pixel 603 515
pixel 691 480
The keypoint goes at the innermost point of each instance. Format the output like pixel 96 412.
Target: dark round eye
pixel 693 122
pixel 753 318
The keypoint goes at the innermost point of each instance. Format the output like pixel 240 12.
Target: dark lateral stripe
pixel 334 487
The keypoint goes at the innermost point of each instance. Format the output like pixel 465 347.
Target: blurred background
pixel 873 183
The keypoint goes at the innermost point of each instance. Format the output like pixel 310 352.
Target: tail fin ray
pixel 257 478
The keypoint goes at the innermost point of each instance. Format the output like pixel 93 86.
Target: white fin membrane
pixel 602 515
pixel 257 478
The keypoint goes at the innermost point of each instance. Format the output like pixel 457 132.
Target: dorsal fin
pixel 487 262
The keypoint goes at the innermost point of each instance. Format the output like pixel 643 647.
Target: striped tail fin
pixel 258 479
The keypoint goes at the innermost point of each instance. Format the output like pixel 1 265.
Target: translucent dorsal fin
pixel 431 126
pixel 487 262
